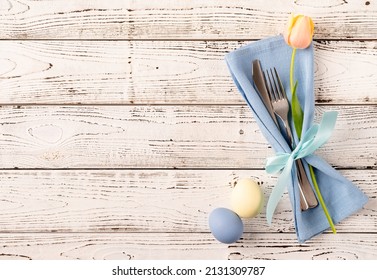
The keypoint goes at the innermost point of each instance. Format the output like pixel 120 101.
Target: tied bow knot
pixel 315 137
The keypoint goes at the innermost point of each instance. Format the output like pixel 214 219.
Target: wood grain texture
pixel 169 19
pixel 199 246
pixel 147 201
pixel 142 87
pixel 164 137
pixel 168 72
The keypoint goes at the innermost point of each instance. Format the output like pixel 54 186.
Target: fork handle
pixel 307 196
pixel 289 133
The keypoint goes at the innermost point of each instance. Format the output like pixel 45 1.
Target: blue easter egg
pixel 226 226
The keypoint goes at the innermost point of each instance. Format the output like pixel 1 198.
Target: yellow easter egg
pixel 246 198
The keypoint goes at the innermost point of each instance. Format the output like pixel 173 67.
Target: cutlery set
pixel 272 93
pixel 262 87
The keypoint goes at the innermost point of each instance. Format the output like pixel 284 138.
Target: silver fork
pixel 280 106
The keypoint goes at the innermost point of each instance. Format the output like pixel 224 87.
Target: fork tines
pixel 275 87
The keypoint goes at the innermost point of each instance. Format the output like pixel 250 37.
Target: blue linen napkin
pixel 341 196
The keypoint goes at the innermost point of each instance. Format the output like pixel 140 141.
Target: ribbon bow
pixel 315 137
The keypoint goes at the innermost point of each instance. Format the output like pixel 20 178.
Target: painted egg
pixel 246 198
pixel 226 226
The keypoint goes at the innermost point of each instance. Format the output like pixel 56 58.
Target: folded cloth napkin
pixel 342 197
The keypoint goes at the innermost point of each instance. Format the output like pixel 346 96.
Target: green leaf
pixel 297 113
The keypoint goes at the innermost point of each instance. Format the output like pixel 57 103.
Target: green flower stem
pixel 297 114
pixel 292 68
pixel 320 198
pixel 298 117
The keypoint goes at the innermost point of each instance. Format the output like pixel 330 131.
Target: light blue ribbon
pixel 315 137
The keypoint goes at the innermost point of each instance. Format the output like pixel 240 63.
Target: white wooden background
pixel 121 128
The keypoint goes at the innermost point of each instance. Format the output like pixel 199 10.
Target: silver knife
pixel 260 84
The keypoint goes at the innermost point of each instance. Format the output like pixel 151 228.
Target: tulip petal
pixel 291 22
pixel 301 34
pixel 311 26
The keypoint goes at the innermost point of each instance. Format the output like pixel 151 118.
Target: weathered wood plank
pixel 168 19
pixel 169 72
pixel 164 137
pixel 323 247
pixel 152 246
pixel 147 201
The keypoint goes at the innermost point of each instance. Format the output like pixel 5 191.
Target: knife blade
pixel 260 84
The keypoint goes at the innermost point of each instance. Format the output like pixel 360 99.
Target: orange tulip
pixel 299 32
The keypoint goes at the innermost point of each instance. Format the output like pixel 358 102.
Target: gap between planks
pixel 320 40
pixel 158 104
pixel 328 232
pixel 161 169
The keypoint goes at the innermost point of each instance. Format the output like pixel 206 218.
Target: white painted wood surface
pixel 171 19
pixel 164 72
pixel 121 129
pixel 146 201
pixel 151 246
pixel 165 137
